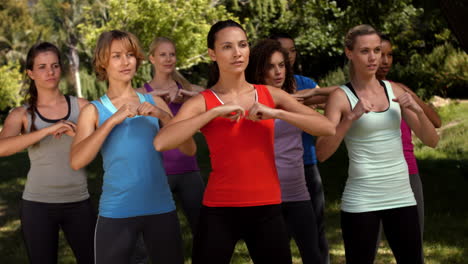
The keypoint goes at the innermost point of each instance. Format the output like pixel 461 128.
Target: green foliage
pixel 441 72
pixel 10 85
pixel 337 77
pixel 186 22
pixel 91 87
pixel 18 31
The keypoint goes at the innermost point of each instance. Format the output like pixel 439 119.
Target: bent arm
pixel 88 140
pixel 11 139
pixel 428 110
pixel 339 113
pixel 418 121
pixel 188 147
pixel 300 115
pixel 190 118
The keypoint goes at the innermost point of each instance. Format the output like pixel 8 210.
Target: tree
pixel 18 31
pixel 187 22
pixel 64 17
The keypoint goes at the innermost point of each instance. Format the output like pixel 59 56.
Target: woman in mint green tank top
pixel 367 114
pixel 55 196
pixel 122 124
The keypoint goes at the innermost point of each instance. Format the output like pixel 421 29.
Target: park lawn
pixel 444 172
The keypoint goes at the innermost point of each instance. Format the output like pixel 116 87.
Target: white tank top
pixel 378 174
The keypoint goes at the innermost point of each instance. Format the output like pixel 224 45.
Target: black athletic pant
pixel 116 238
pixel 317 197
pixel 262 228
pixel 40 224
pixel 401 227
pixel 300 220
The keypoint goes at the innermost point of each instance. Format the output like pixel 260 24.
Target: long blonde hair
pixel 176 75
pixel 350 40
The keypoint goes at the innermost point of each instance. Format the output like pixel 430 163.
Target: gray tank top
pixel 50 178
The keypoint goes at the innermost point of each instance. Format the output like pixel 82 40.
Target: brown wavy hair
pixel 259 63
pixel 31 93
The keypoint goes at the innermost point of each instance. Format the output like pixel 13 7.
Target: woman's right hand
pixel 124 111
pixel 362 107
pixel 231 111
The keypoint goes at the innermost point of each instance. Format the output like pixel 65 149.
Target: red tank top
pixel 242 158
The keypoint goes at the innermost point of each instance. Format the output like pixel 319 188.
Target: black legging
pixel 301 222
pixel 401 227
pixel 116 238
pixel 262 228
pixel 40 224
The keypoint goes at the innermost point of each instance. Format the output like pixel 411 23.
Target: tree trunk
pixel 75 70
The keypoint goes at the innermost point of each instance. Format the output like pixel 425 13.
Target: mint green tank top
pixel 377 174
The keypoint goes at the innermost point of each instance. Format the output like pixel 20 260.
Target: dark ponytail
pixel 31 93
pixel 213 76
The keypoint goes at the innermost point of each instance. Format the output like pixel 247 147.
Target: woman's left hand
pixel 406 100
pixel 261 112
pixel 148 109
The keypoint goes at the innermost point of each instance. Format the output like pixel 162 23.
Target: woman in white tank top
pixel 55 196
pixel 367 115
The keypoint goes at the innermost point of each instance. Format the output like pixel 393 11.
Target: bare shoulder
pixel 89 110
pixel 15 122
pixel 398 88
pixel 197 88
pixel 82 102
pixel 19 111
pixel 141 90
pixel 338 100
pixel 195 105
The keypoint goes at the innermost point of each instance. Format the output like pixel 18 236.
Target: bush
pixel 10 85
pixel 442 72
pixel 338 76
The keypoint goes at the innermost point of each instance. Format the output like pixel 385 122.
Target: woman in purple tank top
pixel 183 173
pixel 415 180
pixel 269 64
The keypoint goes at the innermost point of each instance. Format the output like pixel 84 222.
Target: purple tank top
pixel 289 163
pixel 174 161
pixel 408 148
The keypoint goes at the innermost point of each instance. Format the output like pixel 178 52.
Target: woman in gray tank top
pixel 367 114
pixel 55 196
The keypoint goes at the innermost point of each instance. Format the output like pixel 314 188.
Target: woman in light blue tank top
pixel 122 124
pixel 367 114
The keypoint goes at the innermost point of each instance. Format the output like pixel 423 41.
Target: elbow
pixel 321 157
pixel 74 164
pixel 434 142
pixel 437 124
pixel 159 144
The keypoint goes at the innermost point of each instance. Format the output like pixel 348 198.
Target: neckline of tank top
pixel 149 89
pixel 221 101
pixel 107 103
pixel 45 119
pixel 351 88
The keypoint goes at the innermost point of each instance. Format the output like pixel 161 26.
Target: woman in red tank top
pixel 242 197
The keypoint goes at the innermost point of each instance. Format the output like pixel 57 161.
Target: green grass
pixel 443 171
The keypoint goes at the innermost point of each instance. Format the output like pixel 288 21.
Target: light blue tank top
pixel 135 183
pixel 378 174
